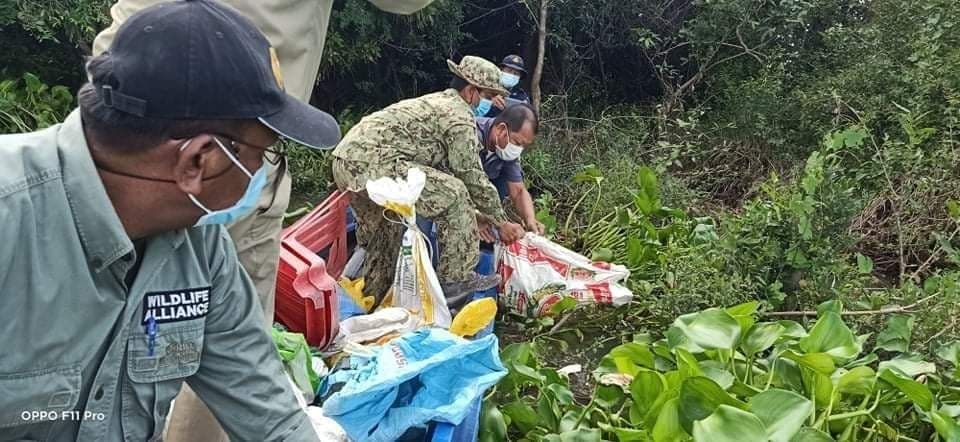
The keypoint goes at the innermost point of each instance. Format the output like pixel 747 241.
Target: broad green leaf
pixel 867 359
pixel 589 174
pixel 915 391
pixel 951 410
pixel 896 336
pixel 729 424
pixel 687 364
pixel 819 362
pixel 700 397
pixel 786 374
pixel 744 314
pixel 951 352
pixel 910 366
pixel 517 354
pixel 761 337
pixel 580 435
pixel 667 428
pixel 647 181
pixel 646 387
pixel 561 393
pixel 548 412
pixel 492 426
pixel 676 338
pixel 609 396
pixel 818 386
pixel 566 304
pixel 864 264
pixel 792 329
pixel 947 427
pixel 521 414
pixel 831 335
pixel 782 412
pixel 834 306
pixel 811 435
pixel 569 421
pixel 859 380
pixel 625 434
pixel 710 329
pixel 525 374
pixel 722 377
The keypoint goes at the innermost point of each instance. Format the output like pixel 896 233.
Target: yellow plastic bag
pixel 354 289
pixel 474 317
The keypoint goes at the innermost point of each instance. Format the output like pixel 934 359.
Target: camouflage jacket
pixel 436 130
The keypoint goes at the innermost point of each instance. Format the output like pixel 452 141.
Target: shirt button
pixel 99 394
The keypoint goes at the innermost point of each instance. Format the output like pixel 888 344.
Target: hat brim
pixel 517 67
pixel 456 71
pixel 304 124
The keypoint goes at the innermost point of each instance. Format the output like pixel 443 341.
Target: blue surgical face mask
pixel 247 202
pixel 509 80
pixel 482 107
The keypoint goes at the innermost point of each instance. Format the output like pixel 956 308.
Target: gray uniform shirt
pixel 75 358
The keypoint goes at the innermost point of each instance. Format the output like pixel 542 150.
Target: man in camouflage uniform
pixel 435 133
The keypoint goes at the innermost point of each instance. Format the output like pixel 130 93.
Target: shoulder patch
pixel 176 305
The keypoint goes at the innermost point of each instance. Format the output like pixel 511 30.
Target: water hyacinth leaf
pixel 946 426
pixel 761 337
pixel 677 339
pixel 833 306
pixel 625 434
pixel 818 386
pixel 492 425
pixel 867 359
pixel 699 398
pixel 601 254
pixel 522 415
pixel 792 329
pixel 786 374
pixel 859 381
pixel 609 396
pixel 896 336
pixel 569 421
pixel 910 366
pixel 561 394
pixel 667 428
pixel 687 364
pixel 811 435
pixel 950 352
pixel 782 412
pixel 915 391
pixel 951 410
pixel 744 314
pixel 819 362
pixel 730 424
pixel 580 435
pixel 710 329
pixel 722 377
pixel 831 335
pixel 646 387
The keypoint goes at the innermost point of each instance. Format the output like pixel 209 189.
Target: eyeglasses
pixel 272 155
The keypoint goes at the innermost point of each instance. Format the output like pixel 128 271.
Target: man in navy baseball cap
pixel 114 225
pixel 512 71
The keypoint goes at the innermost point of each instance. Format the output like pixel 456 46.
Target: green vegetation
pixel 782 156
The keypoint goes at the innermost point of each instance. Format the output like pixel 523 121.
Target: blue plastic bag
pixel 426 375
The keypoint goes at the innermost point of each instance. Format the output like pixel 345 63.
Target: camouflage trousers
pixel 444 200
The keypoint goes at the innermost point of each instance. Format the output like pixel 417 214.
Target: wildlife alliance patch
pixel 176 305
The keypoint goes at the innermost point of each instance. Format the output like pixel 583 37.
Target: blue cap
pixel 515 62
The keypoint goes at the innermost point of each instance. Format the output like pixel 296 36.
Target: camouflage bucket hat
pixel 478 72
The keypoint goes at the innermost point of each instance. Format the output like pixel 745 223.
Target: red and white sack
pixel 537 273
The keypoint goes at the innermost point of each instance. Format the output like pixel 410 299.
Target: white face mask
pixel 511 152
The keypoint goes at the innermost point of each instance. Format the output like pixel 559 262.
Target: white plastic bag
pixel 366 328
pixel 538 273
pixel 415 284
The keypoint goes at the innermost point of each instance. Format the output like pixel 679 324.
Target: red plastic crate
pixel 306 295
pixel 325 228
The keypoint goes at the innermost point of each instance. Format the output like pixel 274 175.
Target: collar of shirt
pixel 483 130
pixel 100 230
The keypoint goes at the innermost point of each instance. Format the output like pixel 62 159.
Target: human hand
pixel 485 229
pixel 499 102
pixel 535 226
pixel 511 232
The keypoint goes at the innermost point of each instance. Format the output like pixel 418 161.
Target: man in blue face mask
pixel 513 71
pixel 113 229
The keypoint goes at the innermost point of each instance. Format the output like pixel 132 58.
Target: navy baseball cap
pixel 514 61
pixel 203 60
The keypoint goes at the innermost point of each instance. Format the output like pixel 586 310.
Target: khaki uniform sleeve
pixel 401 6
pixel 119 12
pixel 464 162
pixel 241 378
